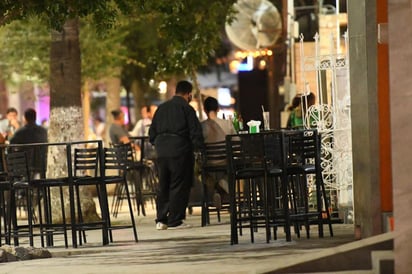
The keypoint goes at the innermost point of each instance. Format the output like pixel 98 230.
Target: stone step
pixel 346 272
pixel 383 262
pixel 355 256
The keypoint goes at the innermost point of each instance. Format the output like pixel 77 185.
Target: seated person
pixel 298 108
pixel 142 126
pixel 10 124
pixel 215 130
pixel 32 133
pixel 118 134
pixel 142 129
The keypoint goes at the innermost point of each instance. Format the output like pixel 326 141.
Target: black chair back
pixel 245 151
pixel 147 150
pixel 117 158
pixel 86 160
pixel 214 156
pixel 36 155
pixel 17 165
pixel 302 146
pixel 3 170
pixel 275 149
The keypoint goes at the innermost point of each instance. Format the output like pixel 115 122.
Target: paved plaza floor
pixel 195 250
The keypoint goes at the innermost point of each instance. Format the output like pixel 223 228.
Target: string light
pixel 256 53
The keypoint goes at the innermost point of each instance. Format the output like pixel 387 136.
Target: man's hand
pixel 14 123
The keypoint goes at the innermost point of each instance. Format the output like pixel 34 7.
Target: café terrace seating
pixel 267 175
pixel 88 163
pixel 140 176
pixel 5 187
pixel 213 166
pixel 304 150
pixel 116 159
pixel 268 184
pixel 26 174
pixel 103 167
pixel 86 173
pixel 247 185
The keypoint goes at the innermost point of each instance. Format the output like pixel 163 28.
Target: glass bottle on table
pixel 241 125
pixel 235 121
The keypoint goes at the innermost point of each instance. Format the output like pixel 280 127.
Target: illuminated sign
pixel 223 96
pixel 246 64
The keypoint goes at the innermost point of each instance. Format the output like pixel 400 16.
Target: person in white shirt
pixel 10 124
pixel 99 128
pixel 142 126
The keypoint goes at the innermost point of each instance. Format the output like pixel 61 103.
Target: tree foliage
pixel 56 12
pixel 146 38
pixel 25 50
pixel 102 55
pixel 189 31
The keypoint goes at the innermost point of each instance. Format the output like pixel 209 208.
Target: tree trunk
pixel 86 110
pixel 112 100
pixel 112 103
pixel 66 117
pixel 4 98
pixel 138 97
pixel 197 94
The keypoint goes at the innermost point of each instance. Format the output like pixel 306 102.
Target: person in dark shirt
pixel 32 133
pixel 175 132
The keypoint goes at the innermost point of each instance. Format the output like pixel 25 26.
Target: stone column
pixel 365 122
pixel 400 60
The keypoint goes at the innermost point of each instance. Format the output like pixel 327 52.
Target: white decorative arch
pixel 332 119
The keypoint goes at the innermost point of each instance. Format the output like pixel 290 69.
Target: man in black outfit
pixel 32 133
pixel 175 132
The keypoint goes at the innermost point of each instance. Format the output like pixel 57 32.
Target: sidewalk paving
pixel 196 250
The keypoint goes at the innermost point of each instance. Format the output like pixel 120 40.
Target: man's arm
pixel 195 129
pixel 152 130
pixel 137 128
pixel 124 139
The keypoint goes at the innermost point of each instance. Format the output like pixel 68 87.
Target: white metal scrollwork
pixel 332 118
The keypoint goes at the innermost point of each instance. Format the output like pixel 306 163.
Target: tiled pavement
pixel 195 250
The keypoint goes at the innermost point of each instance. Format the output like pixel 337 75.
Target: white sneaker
pixel 161 226
pixel 183 225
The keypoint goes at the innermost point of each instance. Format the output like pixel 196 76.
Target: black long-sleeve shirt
pixel 32 133
pixel 175 128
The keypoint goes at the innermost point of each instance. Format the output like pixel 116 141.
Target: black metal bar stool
pixel 276 165
pixel 21 178
pixel 247 185
pixel 304 150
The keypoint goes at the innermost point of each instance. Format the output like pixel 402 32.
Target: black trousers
pixel 175 181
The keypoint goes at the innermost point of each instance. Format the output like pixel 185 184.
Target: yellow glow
pixel 233 66
pixel 262 64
